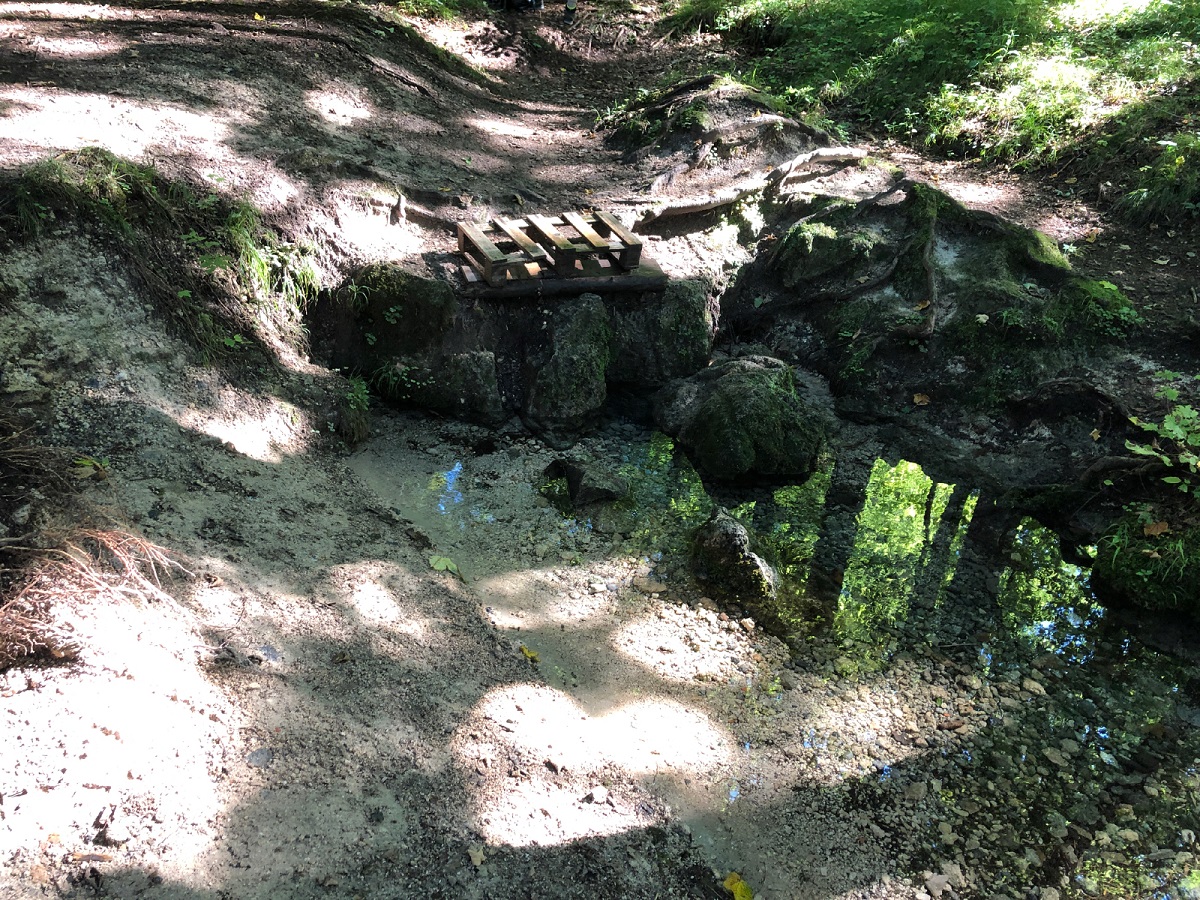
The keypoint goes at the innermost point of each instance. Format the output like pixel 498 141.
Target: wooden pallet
pixel 584 246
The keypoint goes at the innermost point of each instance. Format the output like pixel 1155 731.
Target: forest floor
pixel 298 705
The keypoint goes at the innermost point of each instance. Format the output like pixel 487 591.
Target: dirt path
pixel 311 710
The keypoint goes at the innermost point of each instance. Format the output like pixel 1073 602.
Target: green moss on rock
pixel 566 380
pixel 743 418
pixel 402 312
pixel 669 337
pixel 813 250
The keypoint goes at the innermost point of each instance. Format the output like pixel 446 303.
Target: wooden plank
pixel 521 239
pixel 614 226
pixel 575 220
pixel 631 254
pixel 647 277
pixel 473 235
pixel 545 228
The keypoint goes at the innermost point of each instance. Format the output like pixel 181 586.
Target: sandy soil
pixel 309 709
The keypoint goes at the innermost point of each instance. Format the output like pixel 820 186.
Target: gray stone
pixel 565 380
pixel 656 342
pixel 722 557
pixel 743 417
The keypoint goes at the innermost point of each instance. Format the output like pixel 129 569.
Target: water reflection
pixel 908 542
pixel 446 484
pixel 1045 601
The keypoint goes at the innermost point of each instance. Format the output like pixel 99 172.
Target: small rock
pixel 937 884
pixel 1034 687
pixel 748 625
pixel 788 680
pixel 21 514
pixel 1055 756
pixel 917 791
pixel 598 794
pixel 648 585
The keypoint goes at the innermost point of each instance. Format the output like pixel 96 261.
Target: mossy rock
pixel 1156 572
pixel 565 381
pixel 814 250
pixel 743 418
pixel 403 313
pixel 461 385
pixel 723 558
pixel 656 342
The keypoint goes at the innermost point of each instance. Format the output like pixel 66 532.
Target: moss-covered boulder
pixel 657 340
pixel 398 312
pixel 461 385
pixel 1157 571
pixel 743 418
pixel 565 378
pixel 724 560
pixel 816 250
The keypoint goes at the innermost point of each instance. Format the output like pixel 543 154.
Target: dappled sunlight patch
pixel 528 599
pixel 261 427
pixel 53 118
pixel 503 128
pixel 366 221
pixel 684 645
pixel 339 105
pixel 70 48
pixel 365 587
pixel 133 730
pixel 563 757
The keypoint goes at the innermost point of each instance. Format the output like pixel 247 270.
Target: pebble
pixel 1034 687
pixel 648 585
pixel 1055 756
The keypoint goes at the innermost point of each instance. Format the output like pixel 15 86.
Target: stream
pixel 970 712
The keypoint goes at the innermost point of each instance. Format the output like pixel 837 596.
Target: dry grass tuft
pixel 95 565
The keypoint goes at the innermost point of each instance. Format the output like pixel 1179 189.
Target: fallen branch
pixel 715 201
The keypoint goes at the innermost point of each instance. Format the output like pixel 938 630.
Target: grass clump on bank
pixel 217 272
pixel 1112 83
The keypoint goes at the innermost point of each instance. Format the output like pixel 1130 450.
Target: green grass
pixel 1109 82
pixel 215 269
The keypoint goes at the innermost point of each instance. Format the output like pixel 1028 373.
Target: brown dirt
pixel 309 711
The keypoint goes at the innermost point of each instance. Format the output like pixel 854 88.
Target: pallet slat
pixel 579 247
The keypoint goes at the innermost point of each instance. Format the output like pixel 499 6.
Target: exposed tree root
pixel 667 178
pixel 771 183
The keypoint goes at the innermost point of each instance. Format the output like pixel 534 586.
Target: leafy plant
pixel 358 396
pixel 91 467
pixel 1176 442
pixel 444 564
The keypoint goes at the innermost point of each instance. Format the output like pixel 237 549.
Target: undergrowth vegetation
pixel 1110 84
pixel 218 273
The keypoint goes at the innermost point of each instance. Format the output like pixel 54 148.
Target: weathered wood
pixel 576 221
pixel 513 230
pixel 631 252
pixel 603 244
pixel 646 277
